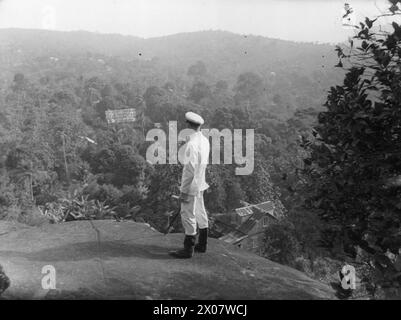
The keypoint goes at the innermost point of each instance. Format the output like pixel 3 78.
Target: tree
pixel 19 82
pixel 164 182
pixel 200 90
pixel 234 194
pixel 65 98
pixel 197 70
pixel 258 186
pixel 221 86
pixel 215 197
pixel 354 163
pixel 119 165
pixel 221 118
pixel 249 89
pixel 154 98
pixel 107 91
pixel 280 244
pixel 278 100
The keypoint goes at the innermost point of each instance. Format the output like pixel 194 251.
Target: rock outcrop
pixel 127 260
pixel 4 281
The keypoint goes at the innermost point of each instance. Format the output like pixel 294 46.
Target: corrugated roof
pixel 233 237
pixel 266 206
pixel 252 220
pixel 258 211
pixel 223 221
pixel 244 211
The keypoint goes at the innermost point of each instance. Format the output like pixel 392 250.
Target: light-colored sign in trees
pixel 121 115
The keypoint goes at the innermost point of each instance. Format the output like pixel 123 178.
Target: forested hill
pixel 58 82
pixel 225 54
pixel 206 45
pixel 61 160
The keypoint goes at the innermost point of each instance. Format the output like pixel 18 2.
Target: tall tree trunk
pixel 67 174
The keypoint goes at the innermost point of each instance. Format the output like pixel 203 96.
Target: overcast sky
pixel 299 20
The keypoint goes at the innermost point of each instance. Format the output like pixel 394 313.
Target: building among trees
pixel 245 226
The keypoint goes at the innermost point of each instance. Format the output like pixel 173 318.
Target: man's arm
pixel 188 173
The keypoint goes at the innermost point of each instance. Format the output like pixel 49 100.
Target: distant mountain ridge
pixel 301 73
pixel 210 46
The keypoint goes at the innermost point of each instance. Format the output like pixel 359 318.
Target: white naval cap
pixel 194 118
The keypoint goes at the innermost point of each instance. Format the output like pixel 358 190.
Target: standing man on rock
pixel 193 184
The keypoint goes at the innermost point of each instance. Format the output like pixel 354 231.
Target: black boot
pixel 188 250
pixel 202 241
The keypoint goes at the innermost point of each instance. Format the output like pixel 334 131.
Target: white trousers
pixel 193 213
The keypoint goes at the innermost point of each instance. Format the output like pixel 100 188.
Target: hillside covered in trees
pixel 61 160
pixel 296 73
pixel 56 87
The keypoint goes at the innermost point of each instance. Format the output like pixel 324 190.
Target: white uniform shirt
pixel 195 161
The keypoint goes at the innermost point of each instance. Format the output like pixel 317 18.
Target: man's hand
pixel 184 197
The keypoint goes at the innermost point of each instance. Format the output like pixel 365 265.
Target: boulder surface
pixel 106 259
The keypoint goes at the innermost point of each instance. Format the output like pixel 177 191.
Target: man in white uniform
pixel 193 184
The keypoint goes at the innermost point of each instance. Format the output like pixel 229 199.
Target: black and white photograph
pixel 200 155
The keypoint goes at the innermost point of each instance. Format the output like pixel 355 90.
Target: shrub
pixel 79 207
pixel 7 191
pixel 353 167
pixel 103 192
pixel 44 198
pixel 31 216
pixel 12 213
pixel 303 264
pixel 54 211
pixel 280 244
pixel 324 268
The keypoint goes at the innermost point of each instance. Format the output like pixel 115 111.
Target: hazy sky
pixel 299 20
